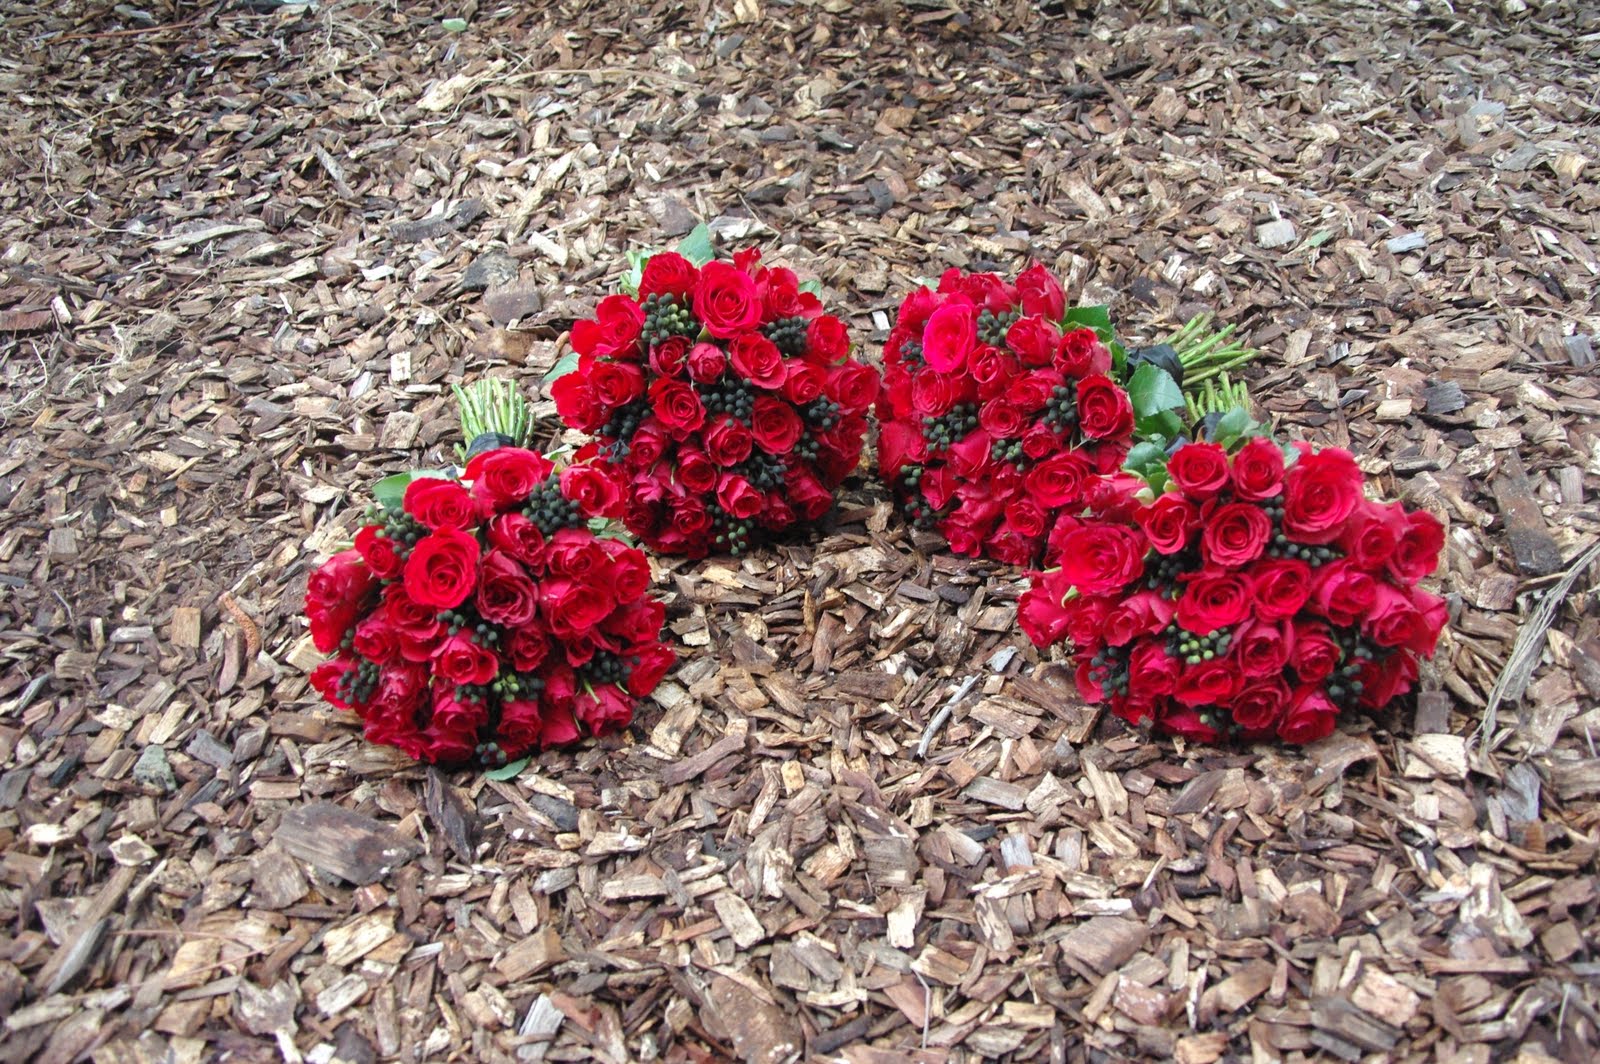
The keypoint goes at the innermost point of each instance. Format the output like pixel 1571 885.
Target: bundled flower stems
pixel 478 616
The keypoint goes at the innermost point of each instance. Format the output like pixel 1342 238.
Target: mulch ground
pixel 244 249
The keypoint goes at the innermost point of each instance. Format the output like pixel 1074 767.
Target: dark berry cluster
pixel 665 317
pixel 625 420
pixel 911 355
pixel 1280 546
pixel 1192 649
pixel 358 683
pixel 789 335
pixel 490 754
pixel 729 533
pixel 765 472
pixel 822 414
pixel 1109 669
pixel 729 395
pixel 551 511
pixel 606 667
pixel 1345 685
pixel 944 431
pixel 1163 570
pixel 992 327
pixel 1008 451
pixel 400 527
pixel 1061 409
pixel 512 686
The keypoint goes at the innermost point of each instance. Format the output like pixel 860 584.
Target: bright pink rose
pixel 950 337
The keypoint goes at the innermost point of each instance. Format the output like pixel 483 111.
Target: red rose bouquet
pixel 479 616
pixel 1257 594
pixel 1002 405
pixel 725 402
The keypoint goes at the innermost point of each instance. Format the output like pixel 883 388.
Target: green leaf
pixel 454 25
pixel 696 247
pixel 635 275
pixel 1153 390
pixel 1233 426
pixel 507 771
pixel 390 492
pixel 813 286
pixel 1162 426
pixel 565 365
pixel 1145 458
pixel 1119 359
pixel 1097 318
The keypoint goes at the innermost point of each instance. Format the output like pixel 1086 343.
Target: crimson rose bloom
pixel 726 301
pixel 1417 553
pixel 668 273
pixel 1310 717
pixel 1235 535
pixel 1258 470
pixel 758 360
pixel 616 383
pixel 518 537
pixel 1315 654
pixel 439 503
pixel 1041 293
pixel 1342 593
pixel 677 406
pixel 950 336
pixel 735 495
pixel 1104 411
pixel 728 442
pixel 828 339
pixel 461 661
pixel 505 476
pixel 614 331
pixel 1169 521
pixel 442 568
pixel 775 426
pixel 1213 600
pixel 505 593
pixel 1035 339
pixel 379 552
pixel 1097 559
pixel 1372 533
pixel 1199 469
pixel 335 594
pixel 1321 490
pixel 853 386
pixel 1260 705
pixel 803 381
pixel 1280 587
pixel 595 493
pixel 706 363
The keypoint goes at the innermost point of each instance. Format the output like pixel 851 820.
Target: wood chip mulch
pixel 245 247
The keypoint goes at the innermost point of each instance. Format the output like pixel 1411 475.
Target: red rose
pixel 1315 655
pixel 520 724
pixel 1032 390
pixel 1041 293
pixel 1235 535
pixel 505 593
pixel 1199 469
pixel 726 300
pixel 576 553
pixel 695 471
pixel 329 680
pixel 607 710
pixel 898 445
pixel 1041 614
pixel 461 661
pixel 442 569
pixel 571 607
pixel 1213 600
pixel 1262 648
pixel 774 425
pixel 377 639
pixel 1383 681
pixel 593 489
pixel 576 403
pixel 933 395
pixel 335 596
pixel 1039 441
pixel 519 537
pixel 1102 558
pixel 971 457
pixel 630 570
pixel 1280 586
pixel 1113 496
pixel 1169 521
pixel 1394 621
pixel 1142 613
pixel 758 360
pixel 667 357
pixel 1001 420
pixel 1342 593
pixel 614 331
pixel 1059 480
pixel 853 386
pixel 1435 615
pixel 1311 716
pixel 655 660
pixel 506 476
pixel 647 444
pixel 1208 683
pixel 1081 354
pixel 1258 470
pixel 728 442
pixel 1104 411
pixel 987 290
pixel 1152 672
pixel 993 370
pixel 1372 533
pixel 689 517
pixel 1259 706
pixel 677 406
pixel 635 622
pixel 803 381
pixel 418 625
pixel 1025 516
pixel 440 503
pixel 737 497
pixel 1321 490
pixel 706 362
pixel 668 273
pixel 1417 553
pixel 827 340
pixel 616 383
pixel 807 494
pixel 379 552
pixel 527 648
pixel 1034 339
pixel 950 336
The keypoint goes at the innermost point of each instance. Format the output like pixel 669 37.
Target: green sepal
pixel 1097 318
pixel 507 771
pixel 564 365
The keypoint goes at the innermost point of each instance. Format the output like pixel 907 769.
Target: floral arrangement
pixel 1257 593
pixel 478 615
pixel 725 403
pixel 1002 405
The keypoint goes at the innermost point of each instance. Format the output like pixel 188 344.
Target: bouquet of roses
pixel 725 402
pixel 478 615
pixel 1001 406
pixel 1257 593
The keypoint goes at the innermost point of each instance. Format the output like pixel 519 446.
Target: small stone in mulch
pixel 507 303
pixel 489 270
pixel 153 769
pixel 1275 234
